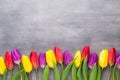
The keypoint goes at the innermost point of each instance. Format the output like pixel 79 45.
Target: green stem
pixel 90 71
pixel 118 74
pixel 62 66
pixel 11 73
pixel 109 72
pixel 19 69
pixel 37 76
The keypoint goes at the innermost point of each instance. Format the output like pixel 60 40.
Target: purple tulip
pixel 42 60
pixel 16 56
pixel 67 57
pixel 92 60
pixel 118 60
pixel 117 55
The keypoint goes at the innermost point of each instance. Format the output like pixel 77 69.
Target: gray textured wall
pixel 41 24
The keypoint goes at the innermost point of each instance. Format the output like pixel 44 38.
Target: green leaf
pixel 85 69
pixel 79 73
pixel 93 75
pixel 99 73
pixel 67 70
pixel 16 75
pixel 56 73
pixel 74 72
pixel 24 76
pixel 5 75
pixel 45 75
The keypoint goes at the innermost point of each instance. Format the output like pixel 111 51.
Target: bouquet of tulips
pixel 83 66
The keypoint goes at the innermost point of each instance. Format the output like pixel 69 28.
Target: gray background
pixel 71 24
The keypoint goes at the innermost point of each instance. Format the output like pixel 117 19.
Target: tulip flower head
pixel 117 55
pixel 58 54
pixel 8 60
pixel 112 56
pixel 86 52
pixel 118 60
pixel 67 57
pixel 2 66
pixel 42 60
pixel 16 56
pixel 26 64
pixel 50 58
pixel 103 58
pixel 92 60
pixel 78 58
pixel 34 59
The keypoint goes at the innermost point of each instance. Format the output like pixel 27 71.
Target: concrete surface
pixel 41 24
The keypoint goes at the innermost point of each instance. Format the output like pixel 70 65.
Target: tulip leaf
pixel 24 75
pixel 67 70
pixel 85 69
pixel 74 72
pixel 56 73
pixel 93 74
pixel 99 73
pixel 5 75
pixel 79 73
pixel 17 74
pixel 45 75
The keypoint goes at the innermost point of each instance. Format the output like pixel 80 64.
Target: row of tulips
pixel 79 65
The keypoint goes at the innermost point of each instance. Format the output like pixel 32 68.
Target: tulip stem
pixel 11 73
pixel 90 71
pixel 19 66
pixel 37 76
pixel 62 66
pixel 118 74
pixel 109 72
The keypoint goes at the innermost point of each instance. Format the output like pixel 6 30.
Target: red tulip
pixel 112 56
pixel 34 59
pixel 86 52
pixel 58 54
pixel 8 61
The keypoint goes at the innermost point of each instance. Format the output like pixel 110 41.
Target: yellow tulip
pixel 26 64
pixel 103 58
pixel 78 58
pixel 50 58
pixel 2 66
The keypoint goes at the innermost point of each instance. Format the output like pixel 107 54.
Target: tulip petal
pixel 42 60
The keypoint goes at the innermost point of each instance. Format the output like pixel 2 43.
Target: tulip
pixel 77 58
pixel 92 64
pixel 112 56
pixel 103 58
pixel 117 55
pixel 67 57
pixel 103 62
pixel 111 60
pixel 26 64
pixel 86 52
pixel 92 60
pixel 42 60
pixel 118 62
pixel 2 66
pixel 58 54
pixel 34 59
pixel 118 65
pixel 16 56
pixel 8 61
pixel 50 58
pixel 35 62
